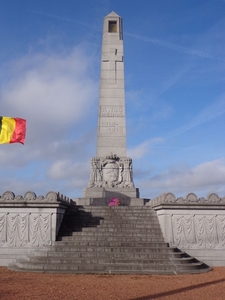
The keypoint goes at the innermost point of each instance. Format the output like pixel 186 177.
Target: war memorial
pixel 165 235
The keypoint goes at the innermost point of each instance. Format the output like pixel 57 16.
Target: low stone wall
pixel 28 223
pixel 196 225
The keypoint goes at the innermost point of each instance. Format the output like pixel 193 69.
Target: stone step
pixel 126 226
pixel 168 255
pixel 152 238
pixel 109 229
pixel 120 209
pixel 125 221
pixel 112 250
pixel 120 217
pixel 115 272
pixel 105 260
pixel 114 221
pixel 119 212
pixel 81 243
pixel 115 208
pixel 107 223
pixel 109 268
pixel 114 234
pixel 115 215
pixel 79 231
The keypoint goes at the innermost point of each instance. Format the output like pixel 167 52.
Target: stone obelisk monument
pixel 111 170
pixel 111 120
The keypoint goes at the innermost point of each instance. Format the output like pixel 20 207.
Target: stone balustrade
pixel 196 225
pixel 29 222
pixel 191 198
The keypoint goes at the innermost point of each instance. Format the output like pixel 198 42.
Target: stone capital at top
pixel 112 15
pixel 112 29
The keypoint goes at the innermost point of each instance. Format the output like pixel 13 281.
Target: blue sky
pixel 174 84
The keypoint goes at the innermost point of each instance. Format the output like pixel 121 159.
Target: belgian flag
pixel 12 130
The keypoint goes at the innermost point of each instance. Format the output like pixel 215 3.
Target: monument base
pixel 120 193
pixel 99 196
pixel 105 201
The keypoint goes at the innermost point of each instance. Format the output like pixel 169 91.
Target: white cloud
pixel 206 177
pixel 52 92
pixel 64 169
pixel 57 96
pixel 142 149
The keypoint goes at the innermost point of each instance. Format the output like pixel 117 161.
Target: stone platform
pixel 100 192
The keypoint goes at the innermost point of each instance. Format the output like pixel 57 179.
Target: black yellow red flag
pixel 12 130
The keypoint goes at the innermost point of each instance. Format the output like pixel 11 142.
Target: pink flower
pixel 114 202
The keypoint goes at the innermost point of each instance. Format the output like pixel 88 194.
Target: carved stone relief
pixel 30 229
pixel 198 231
pixel 111 172
pixel 197 227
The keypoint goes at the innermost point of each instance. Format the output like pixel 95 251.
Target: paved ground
pixel 38 286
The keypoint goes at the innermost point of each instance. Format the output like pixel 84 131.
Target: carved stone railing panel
pixel 198 231
pixel 26 229
pixel 16 229
pixel 40 229
pixel 31 221
pixel 194 224
pixel 3 228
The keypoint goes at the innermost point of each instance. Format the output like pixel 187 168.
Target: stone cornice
pixel 30 198
pixel 190 200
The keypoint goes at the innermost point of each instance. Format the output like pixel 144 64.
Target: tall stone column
pixel 111 171
pixel 111 120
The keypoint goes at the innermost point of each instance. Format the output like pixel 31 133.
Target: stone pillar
pixel 111 170
pixel 111 119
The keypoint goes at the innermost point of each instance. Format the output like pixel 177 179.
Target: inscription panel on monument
pixel 109 129
pixel 110 123
pixel 112 111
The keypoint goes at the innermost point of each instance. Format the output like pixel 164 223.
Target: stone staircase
pixel 110 240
